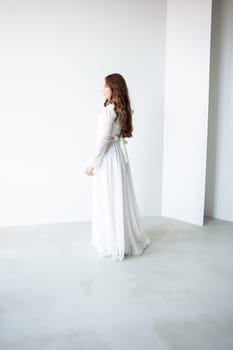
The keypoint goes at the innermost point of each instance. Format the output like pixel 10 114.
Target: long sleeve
pixel 104 132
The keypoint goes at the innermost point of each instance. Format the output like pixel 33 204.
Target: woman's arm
pixel 105 124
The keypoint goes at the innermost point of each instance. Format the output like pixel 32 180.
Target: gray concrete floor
pixel 57 294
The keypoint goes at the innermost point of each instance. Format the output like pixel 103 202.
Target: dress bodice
pixel 116 129
pixel 108 128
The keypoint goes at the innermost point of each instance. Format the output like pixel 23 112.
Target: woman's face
pixel 107 92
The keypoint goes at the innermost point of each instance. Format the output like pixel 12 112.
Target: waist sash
pixel 122 143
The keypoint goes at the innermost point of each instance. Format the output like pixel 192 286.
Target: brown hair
pixel 121 101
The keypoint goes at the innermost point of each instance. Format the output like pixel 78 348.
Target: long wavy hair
pixel 121 101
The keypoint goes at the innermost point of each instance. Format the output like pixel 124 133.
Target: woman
pixel 117 229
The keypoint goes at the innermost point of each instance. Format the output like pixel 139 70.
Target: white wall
pixel 219 185
pixel 186 109
pixel 53 58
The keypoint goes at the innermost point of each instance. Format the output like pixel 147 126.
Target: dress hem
pixel 121 256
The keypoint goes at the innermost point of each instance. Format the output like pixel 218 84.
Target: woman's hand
pixel 89 171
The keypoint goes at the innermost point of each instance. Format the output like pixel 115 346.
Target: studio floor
pixel 57 294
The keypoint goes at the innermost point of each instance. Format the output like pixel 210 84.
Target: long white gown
pixel 117 229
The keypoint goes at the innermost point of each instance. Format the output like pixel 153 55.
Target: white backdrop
pixel 53 58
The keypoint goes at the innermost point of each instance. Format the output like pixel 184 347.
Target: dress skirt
pixel 117 228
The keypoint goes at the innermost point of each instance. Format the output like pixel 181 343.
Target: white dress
pixel 117 229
